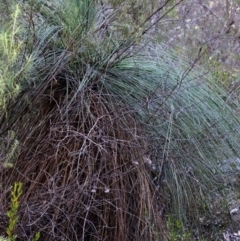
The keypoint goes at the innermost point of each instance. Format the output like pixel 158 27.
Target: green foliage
pixel 36 236
pixel 13 66
pixel 4 239
pixel 176 230
pixel 222 76
pixel 16 193
pixel 187 120
pixel 12 149
pixel 12 213
pixel 9 49
pixel 72 20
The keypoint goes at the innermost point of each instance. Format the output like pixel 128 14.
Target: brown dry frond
pixel 82 168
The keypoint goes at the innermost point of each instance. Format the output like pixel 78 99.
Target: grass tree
pixel 106 130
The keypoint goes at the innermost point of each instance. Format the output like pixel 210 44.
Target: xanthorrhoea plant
pixel 190 129
pixel 80 160
pixel 89 117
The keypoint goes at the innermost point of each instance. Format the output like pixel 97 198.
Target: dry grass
pixel 82 169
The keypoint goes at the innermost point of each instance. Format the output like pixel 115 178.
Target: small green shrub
pixel 176 230
pixel 12 214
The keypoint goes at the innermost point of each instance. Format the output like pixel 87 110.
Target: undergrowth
pixel 92 113
pixel 12 214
